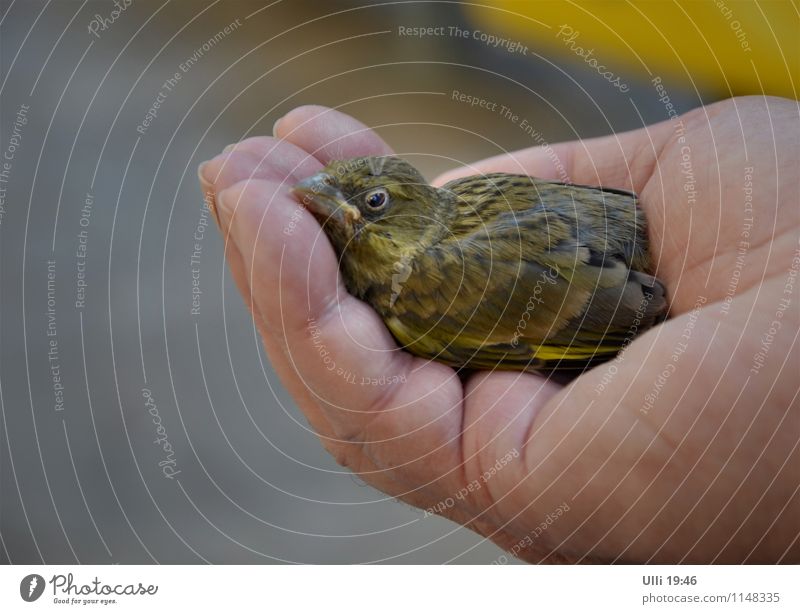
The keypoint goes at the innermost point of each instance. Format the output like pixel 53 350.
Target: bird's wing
pixel 516 284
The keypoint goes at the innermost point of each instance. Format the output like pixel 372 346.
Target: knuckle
pixel 227 168
pixel 259 145
pixel 345 453
pixel 228 199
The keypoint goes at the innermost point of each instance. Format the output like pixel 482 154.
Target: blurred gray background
pixel 79 469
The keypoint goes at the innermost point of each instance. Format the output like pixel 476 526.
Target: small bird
pixel 494 271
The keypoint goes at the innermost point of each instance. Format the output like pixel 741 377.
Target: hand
pixel 683 449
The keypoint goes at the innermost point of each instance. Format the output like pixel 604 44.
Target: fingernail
pixel 223 213
pixel 276 126
pixel 205 181
pixel 208 191
pixel 229 148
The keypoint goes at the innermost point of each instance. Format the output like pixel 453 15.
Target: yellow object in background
pixel 734 47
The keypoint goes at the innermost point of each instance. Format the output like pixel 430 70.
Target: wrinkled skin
pixel 708 473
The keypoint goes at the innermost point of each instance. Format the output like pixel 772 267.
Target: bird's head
pixel 375 210
pixel 376 195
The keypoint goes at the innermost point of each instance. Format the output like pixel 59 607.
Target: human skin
pixel 684 449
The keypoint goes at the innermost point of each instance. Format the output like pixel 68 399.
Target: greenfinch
pixel 494 271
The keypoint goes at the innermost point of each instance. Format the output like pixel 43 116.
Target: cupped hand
pixel 682 449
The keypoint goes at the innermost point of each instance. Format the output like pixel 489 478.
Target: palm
pixel 622 473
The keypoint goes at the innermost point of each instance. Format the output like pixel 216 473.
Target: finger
pixel 257 158
pixel 268 158
pixel 623 160
pixel 329 134
pixel 336 344
pixel 272 344
pixel 499 409
pixel 516 398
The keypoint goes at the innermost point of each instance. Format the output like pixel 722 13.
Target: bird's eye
pixel 376 199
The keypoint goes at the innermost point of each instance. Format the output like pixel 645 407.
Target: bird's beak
pixel 321 197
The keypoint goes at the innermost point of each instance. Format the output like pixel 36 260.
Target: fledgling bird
pixel 493 271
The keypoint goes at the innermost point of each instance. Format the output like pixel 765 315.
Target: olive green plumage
pixel 490 271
